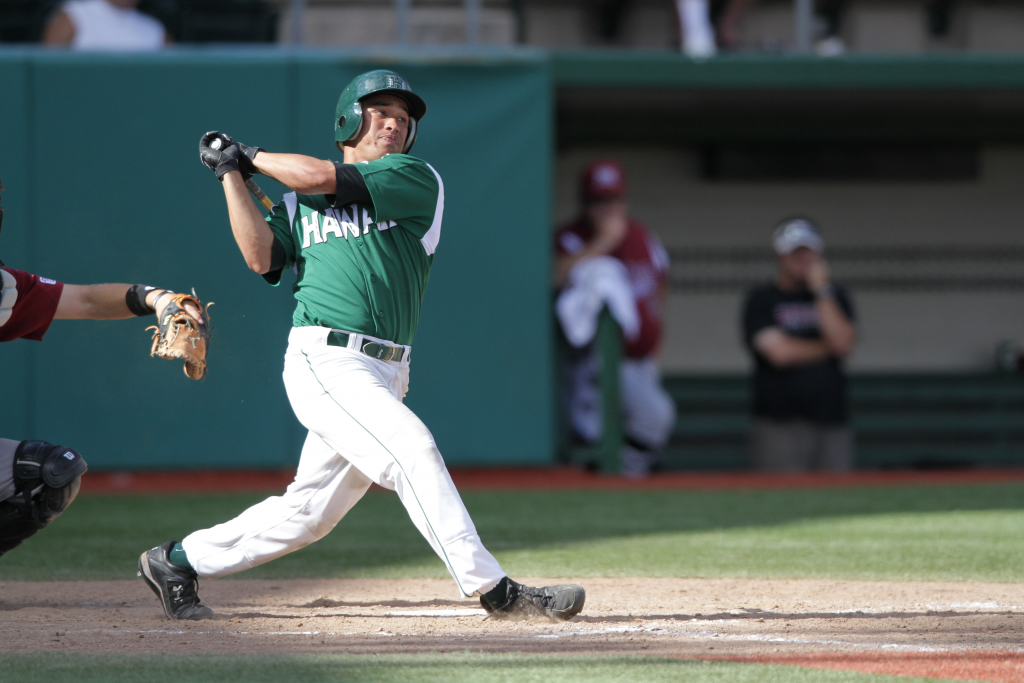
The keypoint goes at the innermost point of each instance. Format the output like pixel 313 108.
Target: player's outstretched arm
pixel 305 175
pixel 252 234
pixel 221 153
pixel 108 302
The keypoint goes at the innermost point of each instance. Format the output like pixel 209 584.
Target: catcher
pixel 38 480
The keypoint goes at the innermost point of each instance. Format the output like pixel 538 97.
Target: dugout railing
pixel 915 421
pixel 901 421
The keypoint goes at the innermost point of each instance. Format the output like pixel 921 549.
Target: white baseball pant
pixel 649 411
pixel 360 433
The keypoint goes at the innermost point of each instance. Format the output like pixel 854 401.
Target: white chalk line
pixel 440 613
pixel 655 630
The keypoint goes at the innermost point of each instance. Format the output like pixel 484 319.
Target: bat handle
pixel 258 193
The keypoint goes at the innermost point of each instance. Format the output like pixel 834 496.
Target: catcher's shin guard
pixel 46 481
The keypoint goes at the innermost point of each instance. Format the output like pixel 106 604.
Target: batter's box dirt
pixel 720 619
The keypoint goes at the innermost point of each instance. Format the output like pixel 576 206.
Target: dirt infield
pixel 965 631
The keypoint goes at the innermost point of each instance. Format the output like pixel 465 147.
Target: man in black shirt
pixel 799 329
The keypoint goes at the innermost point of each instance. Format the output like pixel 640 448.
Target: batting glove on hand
pixel 249 155
pixel 246 165
pixel 220 153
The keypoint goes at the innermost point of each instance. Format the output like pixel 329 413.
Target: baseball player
pixel 604 228
pixel 38 480
pixel 361 237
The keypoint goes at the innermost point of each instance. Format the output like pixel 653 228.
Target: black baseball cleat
pixel 558 603
pixel 177 588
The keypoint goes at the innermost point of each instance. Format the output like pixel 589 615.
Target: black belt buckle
pixel 372 349
pixel 382 352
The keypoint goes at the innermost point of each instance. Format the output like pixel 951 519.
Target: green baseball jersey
pixel 364 268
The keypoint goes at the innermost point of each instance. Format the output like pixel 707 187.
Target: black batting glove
pixel 220 153
pixel 210 146
pixel 249 155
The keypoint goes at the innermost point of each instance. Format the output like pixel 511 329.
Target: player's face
pixel 385 127
pixel 608 207
pixel 797 263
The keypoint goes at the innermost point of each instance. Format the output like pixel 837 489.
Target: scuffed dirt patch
pixel 722 618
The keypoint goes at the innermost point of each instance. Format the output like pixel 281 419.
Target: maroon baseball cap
pixel 602 180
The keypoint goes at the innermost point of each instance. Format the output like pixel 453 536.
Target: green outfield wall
pixel 99 155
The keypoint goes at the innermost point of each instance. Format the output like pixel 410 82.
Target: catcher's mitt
pixel 178 335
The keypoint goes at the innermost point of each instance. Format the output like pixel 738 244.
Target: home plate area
pixel 966 631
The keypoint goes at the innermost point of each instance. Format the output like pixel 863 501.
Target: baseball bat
pixel 259 194
pixel 255 189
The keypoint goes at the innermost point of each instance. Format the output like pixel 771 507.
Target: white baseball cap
pixel 795 233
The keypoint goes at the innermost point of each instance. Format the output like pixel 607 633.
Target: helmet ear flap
pixel 356 118
pixel 350 118
pixel 410 138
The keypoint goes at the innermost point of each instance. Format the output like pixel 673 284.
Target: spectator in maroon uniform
pixel 604 229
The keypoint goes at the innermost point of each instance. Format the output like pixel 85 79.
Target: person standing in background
pixel 605 229
pixel 104 25
pixel 799 329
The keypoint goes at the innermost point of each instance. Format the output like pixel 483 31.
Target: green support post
pixel 606 454
pixel 608 343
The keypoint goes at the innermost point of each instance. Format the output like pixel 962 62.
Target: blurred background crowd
pixel 699 27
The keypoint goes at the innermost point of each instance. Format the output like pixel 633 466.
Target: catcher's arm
pixel 108 302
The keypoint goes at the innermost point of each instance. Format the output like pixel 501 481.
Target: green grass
pixel 47 668
pixel 971 532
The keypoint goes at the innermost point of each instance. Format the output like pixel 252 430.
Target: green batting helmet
pixel 348 117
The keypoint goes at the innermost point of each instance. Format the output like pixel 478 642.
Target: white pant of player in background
pixel 698 35
pixel 648 410
pixel 360 433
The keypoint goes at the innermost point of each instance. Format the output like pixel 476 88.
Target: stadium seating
pixel 22 21
pixel 187 21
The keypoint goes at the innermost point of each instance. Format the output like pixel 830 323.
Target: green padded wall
pixel 17 360
pixel 105 185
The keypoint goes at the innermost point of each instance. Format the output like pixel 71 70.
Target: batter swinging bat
pixel 255 189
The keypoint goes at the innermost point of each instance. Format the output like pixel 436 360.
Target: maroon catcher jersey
pixel 34 307
pixel 647 263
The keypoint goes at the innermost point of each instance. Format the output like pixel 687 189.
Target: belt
pixel 384 352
